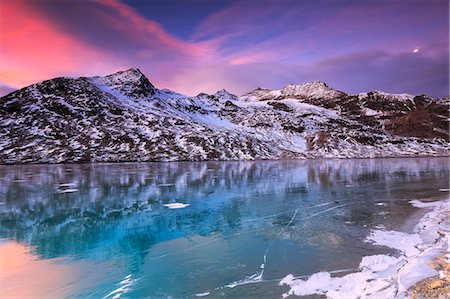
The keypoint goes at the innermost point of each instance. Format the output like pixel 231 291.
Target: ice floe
pixel 176 205
pixel 202 294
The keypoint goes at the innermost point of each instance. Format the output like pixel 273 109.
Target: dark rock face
pixel 419 116
pixel 280 106
pixel 426 119
pixel 123 117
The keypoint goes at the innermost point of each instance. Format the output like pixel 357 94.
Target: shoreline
pixel 392 276
pixel 437 286
pixel 447 155
pixel 411 221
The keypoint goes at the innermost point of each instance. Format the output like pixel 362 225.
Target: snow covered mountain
pixel 123 117
pixel 317 90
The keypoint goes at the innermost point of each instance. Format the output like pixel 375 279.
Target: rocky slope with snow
pixel 123 117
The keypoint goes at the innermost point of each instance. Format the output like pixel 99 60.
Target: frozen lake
pixel 214 229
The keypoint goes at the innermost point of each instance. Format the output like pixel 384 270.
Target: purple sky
pixel 206 45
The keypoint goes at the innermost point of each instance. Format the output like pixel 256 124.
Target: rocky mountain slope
pixel 123 117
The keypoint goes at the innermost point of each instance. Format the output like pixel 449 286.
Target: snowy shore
pixel 388 276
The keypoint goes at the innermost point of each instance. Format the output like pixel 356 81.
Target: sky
pixel 193 46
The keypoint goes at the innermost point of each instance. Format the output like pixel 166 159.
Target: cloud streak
pixel 353 45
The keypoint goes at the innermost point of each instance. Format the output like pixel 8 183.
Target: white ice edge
pixel 176 205
pixel 384 276
pixel 202 294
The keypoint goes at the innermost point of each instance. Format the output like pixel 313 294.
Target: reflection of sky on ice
pixel 300 214
pixel 26 275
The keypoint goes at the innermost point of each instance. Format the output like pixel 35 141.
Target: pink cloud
pixel 150 32
pixel 32 49
pixel 251 58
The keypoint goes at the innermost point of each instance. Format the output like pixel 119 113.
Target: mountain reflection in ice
pixel 115 213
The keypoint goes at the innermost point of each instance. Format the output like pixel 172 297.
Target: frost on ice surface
pixel 176 205
pixel 123 287
pixel 377 263
pixel 406 243
pixel 384 276
pixel 354 285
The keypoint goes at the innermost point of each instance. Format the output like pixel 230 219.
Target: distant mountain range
pixel 123 117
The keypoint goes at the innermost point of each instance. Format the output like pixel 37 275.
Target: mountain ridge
pixel 315 89
pixel 124 117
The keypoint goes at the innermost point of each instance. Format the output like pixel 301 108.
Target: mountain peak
pixel 129 75
pixel 131 82
pixel 315 89
pixel 312 84
pixel 385 95
pixel 223 94
pixel 307 87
